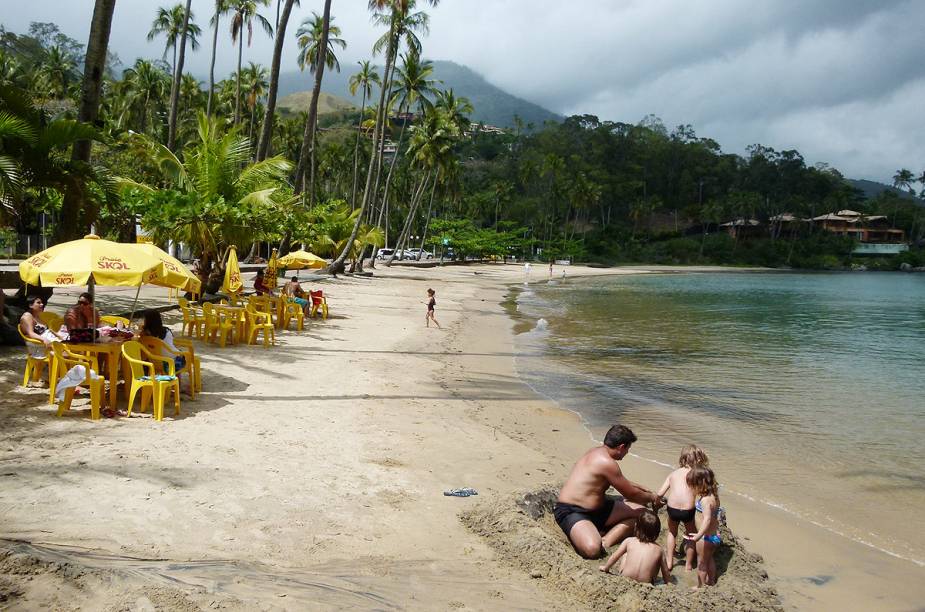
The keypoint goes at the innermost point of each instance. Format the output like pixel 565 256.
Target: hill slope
pixel 327 103
pixel 872 189
pixel 492 104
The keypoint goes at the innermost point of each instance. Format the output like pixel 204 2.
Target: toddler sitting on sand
pixel 642 556
pixel 680 502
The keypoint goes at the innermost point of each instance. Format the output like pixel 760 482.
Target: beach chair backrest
pixel 133 351
pixel 317 297
pixel 29 340
pixel 52 320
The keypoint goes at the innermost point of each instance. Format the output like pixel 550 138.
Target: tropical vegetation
pixel 86 142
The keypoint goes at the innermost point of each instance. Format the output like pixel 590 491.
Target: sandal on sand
pixel 109 413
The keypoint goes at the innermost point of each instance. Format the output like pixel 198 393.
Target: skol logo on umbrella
pixel 111 263
pixel 235 278
pixel 64 279
pixel 39 260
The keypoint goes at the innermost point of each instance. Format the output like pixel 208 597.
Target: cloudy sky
pixel 837 80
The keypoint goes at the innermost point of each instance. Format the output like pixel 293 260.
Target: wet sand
pixel 311 474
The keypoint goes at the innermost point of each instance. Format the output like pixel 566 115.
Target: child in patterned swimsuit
pixel 703 482
pixel 680 502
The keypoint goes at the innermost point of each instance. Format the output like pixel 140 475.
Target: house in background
pixel 873 232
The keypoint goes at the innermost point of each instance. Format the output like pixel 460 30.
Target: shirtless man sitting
pixel 584 512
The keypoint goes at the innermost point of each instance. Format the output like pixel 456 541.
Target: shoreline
pixel 315 468
pixel 814 566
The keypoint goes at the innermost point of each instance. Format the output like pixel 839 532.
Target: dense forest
pixel 86 142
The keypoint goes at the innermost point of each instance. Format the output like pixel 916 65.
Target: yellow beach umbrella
pixel 78 262
pixel 298 260
pixel 272 268
pixel 232 283
pixel 175 273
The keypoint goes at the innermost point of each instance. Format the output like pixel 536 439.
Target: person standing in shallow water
pixel 431 303
pixel 584 512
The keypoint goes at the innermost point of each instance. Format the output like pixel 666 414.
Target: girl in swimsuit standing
pixel 703 482
pixel 680 502
pixel 431 302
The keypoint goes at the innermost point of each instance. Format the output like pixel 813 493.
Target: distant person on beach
pixel 294 292
pixel 642 557
pixel 680 502
pixel 584 512
pixel 431 303
pixel 550 269
pixel 702 481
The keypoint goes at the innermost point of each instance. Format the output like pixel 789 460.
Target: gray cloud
pixel 838 80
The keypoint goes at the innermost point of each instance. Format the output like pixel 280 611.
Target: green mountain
pixel 872 189
pixel 493 105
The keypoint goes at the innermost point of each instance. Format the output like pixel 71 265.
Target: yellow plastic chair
pixel 64 362
pixel 53 321
pixel 291 311
pixel 34 365
pixel 193 322
pixel 146 380
pixel 217 324
pixel 159 348
pixel 186 346
pixel 114 321
pixel 257 322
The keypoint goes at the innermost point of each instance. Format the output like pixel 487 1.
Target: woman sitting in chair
pixel 33 326
pixel 154 326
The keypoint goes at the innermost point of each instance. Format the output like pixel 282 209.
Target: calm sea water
pixel 806 390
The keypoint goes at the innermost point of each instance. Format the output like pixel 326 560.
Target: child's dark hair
pixel 647 527
pixel 702 480
pixel 619 434
pixel 154 325
pixel 693 456
pixel 431 292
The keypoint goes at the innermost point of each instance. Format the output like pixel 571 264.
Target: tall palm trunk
pixel 430 209
pixel 237 87
pixel 218 13
pixel 266 133
pixel 378 131
pixel 409 220
pixel 70 224
pixel 308 137
pixel 175 88
pixel 356 153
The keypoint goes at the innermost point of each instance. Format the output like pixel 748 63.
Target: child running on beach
pixel 703 483
pixel 431 302
pixel 680 502
pixel 642 557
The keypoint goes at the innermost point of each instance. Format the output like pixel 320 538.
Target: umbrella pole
pixel 134 304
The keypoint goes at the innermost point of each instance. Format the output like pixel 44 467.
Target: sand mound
pixel 522 530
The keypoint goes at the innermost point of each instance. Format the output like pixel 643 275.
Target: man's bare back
pixel 584 512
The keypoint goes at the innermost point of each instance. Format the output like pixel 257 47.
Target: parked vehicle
pixel 384 254
pixel 417 254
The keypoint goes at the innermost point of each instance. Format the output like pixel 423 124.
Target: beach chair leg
pixel 65 404
pixel 176 397
pixel 52 380
pixel 96 393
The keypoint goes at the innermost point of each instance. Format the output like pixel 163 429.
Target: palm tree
pixel 903 179
pixel 363 81
pixel 76 199
pixel 255 87
pixel 185 30
pixel 457 109
pixel 309 37
pixel 317 61
pixel 221 7
pixel 58 72
pixel 169 22
pixel 37 158
pixel 244 13
pixel 147 86
pixel 266 134
pixel 401 22
pixel 225 194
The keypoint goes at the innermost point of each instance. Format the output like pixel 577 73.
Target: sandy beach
pixel 311 475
